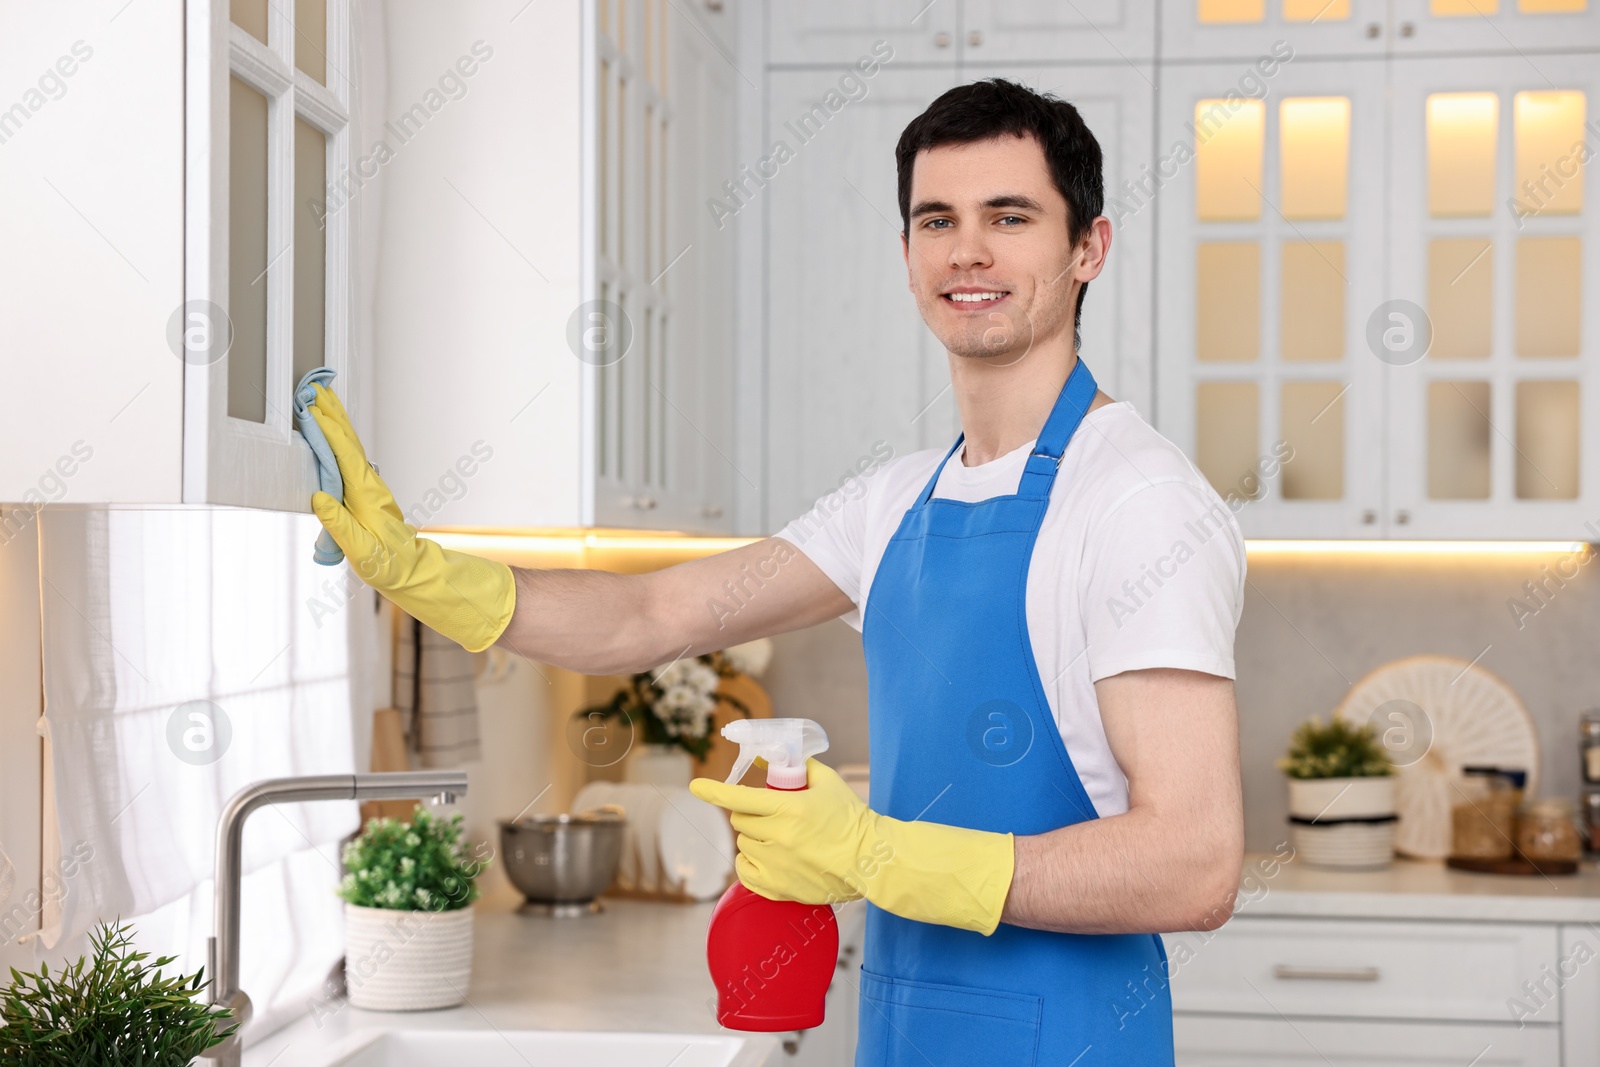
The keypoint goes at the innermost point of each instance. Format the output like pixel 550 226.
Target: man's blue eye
pixel 1017 217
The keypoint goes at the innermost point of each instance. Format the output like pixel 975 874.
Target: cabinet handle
pixel 975 38
pixel 941 40
pixel 1326 974
pixel 1368 517
pixel 1373 29
pixel 1402 517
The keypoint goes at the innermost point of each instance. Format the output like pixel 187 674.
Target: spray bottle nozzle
pixel 785 744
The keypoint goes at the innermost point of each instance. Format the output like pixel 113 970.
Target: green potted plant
pixel 1341 794
pixel 669 709
pixel 408 895
pixel 113 1006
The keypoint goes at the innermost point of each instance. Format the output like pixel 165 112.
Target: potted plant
pixel 1341 794
pixel 669 710
pixel 408 893
pixel 112 1007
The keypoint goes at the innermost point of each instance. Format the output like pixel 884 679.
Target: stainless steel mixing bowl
pixel 562 863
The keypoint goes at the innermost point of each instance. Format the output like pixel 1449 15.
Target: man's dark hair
pixel 985 110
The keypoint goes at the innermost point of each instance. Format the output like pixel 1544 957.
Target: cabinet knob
pixel 712 511
pixel 1407 29
pixel 1402 517
pixel 1373 29
pixel 1368 517
pixel 714 6
pixel 941 40
pixel 644 503
pixel 975 38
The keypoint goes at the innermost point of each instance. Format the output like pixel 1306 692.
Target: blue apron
pixel 961 734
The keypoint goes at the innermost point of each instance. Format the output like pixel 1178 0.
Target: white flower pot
pixel 659 765
pixel 1339 837
pixel 407 960
pixel 1341 798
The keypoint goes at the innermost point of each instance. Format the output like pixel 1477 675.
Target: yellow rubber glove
pixel 467 598
pixel 823 845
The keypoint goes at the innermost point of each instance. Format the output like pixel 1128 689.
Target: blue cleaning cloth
pixel 326 551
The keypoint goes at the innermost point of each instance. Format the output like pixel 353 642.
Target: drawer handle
pixel 1327 974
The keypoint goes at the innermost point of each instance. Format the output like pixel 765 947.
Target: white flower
pixel 751 657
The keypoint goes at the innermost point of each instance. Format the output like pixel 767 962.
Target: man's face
pixel 988 255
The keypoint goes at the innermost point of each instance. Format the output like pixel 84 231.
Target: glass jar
pixel 1589 741
pixel 1546 831
pixel 1484 816
pixel 1591 814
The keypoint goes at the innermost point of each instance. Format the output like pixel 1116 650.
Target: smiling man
pixel 1047 609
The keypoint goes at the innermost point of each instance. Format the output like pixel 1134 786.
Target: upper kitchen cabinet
pixel 842 31
pixel 1048 31
pixel 1507 27
pixel 180 263
pixel 1214 29
pixel 1269 261
pixel 853 373
pixel 1494 253
pixel 967 31
pixel 554 321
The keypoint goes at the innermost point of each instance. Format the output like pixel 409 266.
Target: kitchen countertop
pixel 1414 889
pixel 636 966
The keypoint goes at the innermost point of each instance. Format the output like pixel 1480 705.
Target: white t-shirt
pixel 1139 563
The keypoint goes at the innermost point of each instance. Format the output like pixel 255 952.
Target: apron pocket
pixel 914 1024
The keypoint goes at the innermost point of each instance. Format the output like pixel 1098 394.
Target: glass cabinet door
pixel 1508 27
pixel 1213 29
pixel 268 233
pixel 1272 222
pixel 1494 242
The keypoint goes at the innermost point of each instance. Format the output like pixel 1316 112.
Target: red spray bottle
pixel 772 960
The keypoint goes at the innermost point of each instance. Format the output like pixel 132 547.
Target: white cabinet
pixel 834 1042
pixel 1272 240
pixel 1376 274
pixel 840 31
pixel 557 292
pixel 1506 27
pixel 1494 232
pixel 178 265
pixel 1267 990
pixel 1245 29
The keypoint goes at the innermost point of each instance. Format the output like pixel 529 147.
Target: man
pixel 1047 614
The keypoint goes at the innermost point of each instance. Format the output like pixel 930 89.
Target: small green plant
pixel 422 865
pixel 110 1009
pixel 1335 750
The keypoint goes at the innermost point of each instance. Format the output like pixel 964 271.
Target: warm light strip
pixel 577 542
pixel 1412 548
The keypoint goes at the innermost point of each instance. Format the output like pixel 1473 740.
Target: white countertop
pixel 1415 889
pixel 636 966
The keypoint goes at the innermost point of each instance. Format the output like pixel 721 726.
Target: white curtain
pixel 187 653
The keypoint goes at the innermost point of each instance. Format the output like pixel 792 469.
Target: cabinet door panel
pixel 1047 31
pixel 849 361
pixel 1225 1041
pixel 1117 103
pixel 1214 29
pixel 1507 27
pixel 1494 240
pixel 1269 261
pixel 842 31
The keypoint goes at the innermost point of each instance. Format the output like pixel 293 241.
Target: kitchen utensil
pixel 697 846
pixel 562 863
pixel 1470 717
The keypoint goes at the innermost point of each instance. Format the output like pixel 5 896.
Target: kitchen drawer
pixel 1230 1041
pixel 1390 970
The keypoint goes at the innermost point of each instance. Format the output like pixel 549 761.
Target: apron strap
pixel 1077 393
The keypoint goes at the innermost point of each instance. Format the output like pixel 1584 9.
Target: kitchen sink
pixel 547 1048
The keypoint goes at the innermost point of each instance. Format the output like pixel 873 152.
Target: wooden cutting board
pixel 719 761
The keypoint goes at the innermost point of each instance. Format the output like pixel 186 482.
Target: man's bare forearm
pixel 592 622
pixel 1124 874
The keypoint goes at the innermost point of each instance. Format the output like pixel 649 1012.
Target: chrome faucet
pixel 222 949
